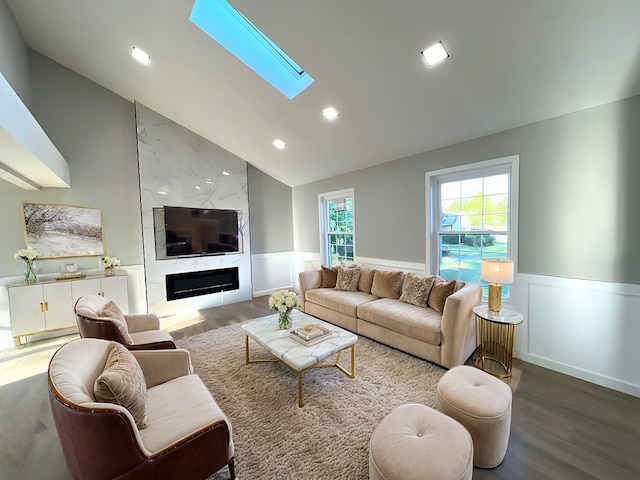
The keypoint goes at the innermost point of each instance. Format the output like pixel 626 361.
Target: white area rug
pixel 328 437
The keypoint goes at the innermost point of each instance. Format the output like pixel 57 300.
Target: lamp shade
pixel 495 270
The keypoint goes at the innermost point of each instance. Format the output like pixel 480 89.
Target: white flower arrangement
pixel 109 262
pixel 28 254
pixel 283 301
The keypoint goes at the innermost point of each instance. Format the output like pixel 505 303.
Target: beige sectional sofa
pixel 385 311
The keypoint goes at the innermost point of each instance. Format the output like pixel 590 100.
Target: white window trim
pixel 322 198
pixel 482 168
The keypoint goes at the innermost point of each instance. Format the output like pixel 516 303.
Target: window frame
pixel 323 215
pixel 485 168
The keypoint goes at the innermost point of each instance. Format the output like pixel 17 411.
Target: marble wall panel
pixel 179 168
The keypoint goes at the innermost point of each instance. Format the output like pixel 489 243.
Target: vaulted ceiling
pixel 513 62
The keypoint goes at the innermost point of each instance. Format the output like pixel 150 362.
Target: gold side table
pixel 495 340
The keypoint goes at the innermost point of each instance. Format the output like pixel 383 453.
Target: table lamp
pixel 496 272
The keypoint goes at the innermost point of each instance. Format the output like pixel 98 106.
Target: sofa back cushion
pixel 122 382
pixel 348 278
pixel 387 284
pixel 329 277
pixel 439 293
pixel 416 289
pixel 366 279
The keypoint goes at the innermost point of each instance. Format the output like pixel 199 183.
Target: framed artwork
pixel 58 231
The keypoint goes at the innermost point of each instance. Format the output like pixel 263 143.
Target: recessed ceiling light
pixel 330 113
pixel 225 173
pixel 279 143
pixel 140 55
pixel 435 54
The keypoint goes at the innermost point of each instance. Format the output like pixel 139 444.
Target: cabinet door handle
pixel 41 307
pixel 46 306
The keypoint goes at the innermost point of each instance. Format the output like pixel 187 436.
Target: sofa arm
pixel 308 281
pixel 459 325
pixel 142 322
pixel 160 366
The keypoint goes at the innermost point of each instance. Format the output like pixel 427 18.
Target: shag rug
pixel 328 438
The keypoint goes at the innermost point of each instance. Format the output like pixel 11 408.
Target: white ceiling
pixel 550 57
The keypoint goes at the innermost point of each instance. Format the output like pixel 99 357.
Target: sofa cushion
pixel 176 409
pixel 439 293
pixel 416 322
pixel 329 277
pixel 343 302
pixel 113 313
pixel 348 278
pixel 415 289
pixel 387 284
pixel 122 382
pixel 366 279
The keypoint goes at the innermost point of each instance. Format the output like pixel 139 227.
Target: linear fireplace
pixel 192 284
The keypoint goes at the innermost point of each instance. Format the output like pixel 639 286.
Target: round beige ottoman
pixel 415 442
pixel 481 403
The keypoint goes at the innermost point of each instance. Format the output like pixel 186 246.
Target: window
pixel 472 213
pixel 337 227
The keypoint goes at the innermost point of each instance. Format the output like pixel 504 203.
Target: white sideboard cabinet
pixel 47 306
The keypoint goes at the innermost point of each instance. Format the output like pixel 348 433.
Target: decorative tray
pixel 310 334
pixel 71 276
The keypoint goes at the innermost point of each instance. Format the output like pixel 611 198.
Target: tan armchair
pixel 99 317
pixel 186 435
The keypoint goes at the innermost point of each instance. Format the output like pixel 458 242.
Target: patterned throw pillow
pixel 112 312
pixel 122 382
pixel 415 289
pixel 329 277
pixel 348 278
pixel 387 284
pixel 439 293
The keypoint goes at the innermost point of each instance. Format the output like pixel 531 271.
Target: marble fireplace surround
pixel 179 168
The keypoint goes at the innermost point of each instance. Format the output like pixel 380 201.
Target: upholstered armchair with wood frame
pixel 138 414
pixel 99 317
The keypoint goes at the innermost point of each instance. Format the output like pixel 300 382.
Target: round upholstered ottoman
pixel 481 403
pixel 415 442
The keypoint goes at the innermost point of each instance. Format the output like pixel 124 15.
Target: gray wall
pixel 270 213
pixel 94 130
pixel 13 55
pixel 579 205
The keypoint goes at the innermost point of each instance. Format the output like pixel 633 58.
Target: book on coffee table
pixel 310 334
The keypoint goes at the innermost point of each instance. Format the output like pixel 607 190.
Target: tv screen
pixel 200 231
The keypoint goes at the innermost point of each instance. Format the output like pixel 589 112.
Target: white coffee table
pixel 298 357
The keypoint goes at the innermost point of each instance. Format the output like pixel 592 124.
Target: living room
pixel 577 281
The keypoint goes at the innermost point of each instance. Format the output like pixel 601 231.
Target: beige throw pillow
pixel 112 311
pixel 415 289
pixel 439 293
pixel 329 277
pixel 122 382
pixel 387 284
pixel 366 279
pixel 348 278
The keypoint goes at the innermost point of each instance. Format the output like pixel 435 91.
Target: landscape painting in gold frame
pixel 58 231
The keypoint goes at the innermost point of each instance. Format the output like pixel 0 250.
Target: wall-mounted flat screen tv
pixel 201 231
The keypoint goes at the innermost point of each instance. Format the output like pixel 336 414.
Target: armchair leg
pixel 232 469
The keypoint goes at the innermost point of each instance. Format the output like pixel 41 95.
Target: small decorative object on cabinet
pixel 109 264
pixel 28 256
pixel 284 302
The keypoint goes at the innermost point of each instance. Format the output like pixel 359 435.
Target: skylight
pixel 231 29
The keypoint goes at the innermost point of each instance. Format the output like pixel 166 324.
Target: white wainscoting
pixel 271 272
pixel 586 329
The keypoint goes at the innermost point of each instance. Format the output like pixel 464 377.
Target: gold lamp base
pixel 495 297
